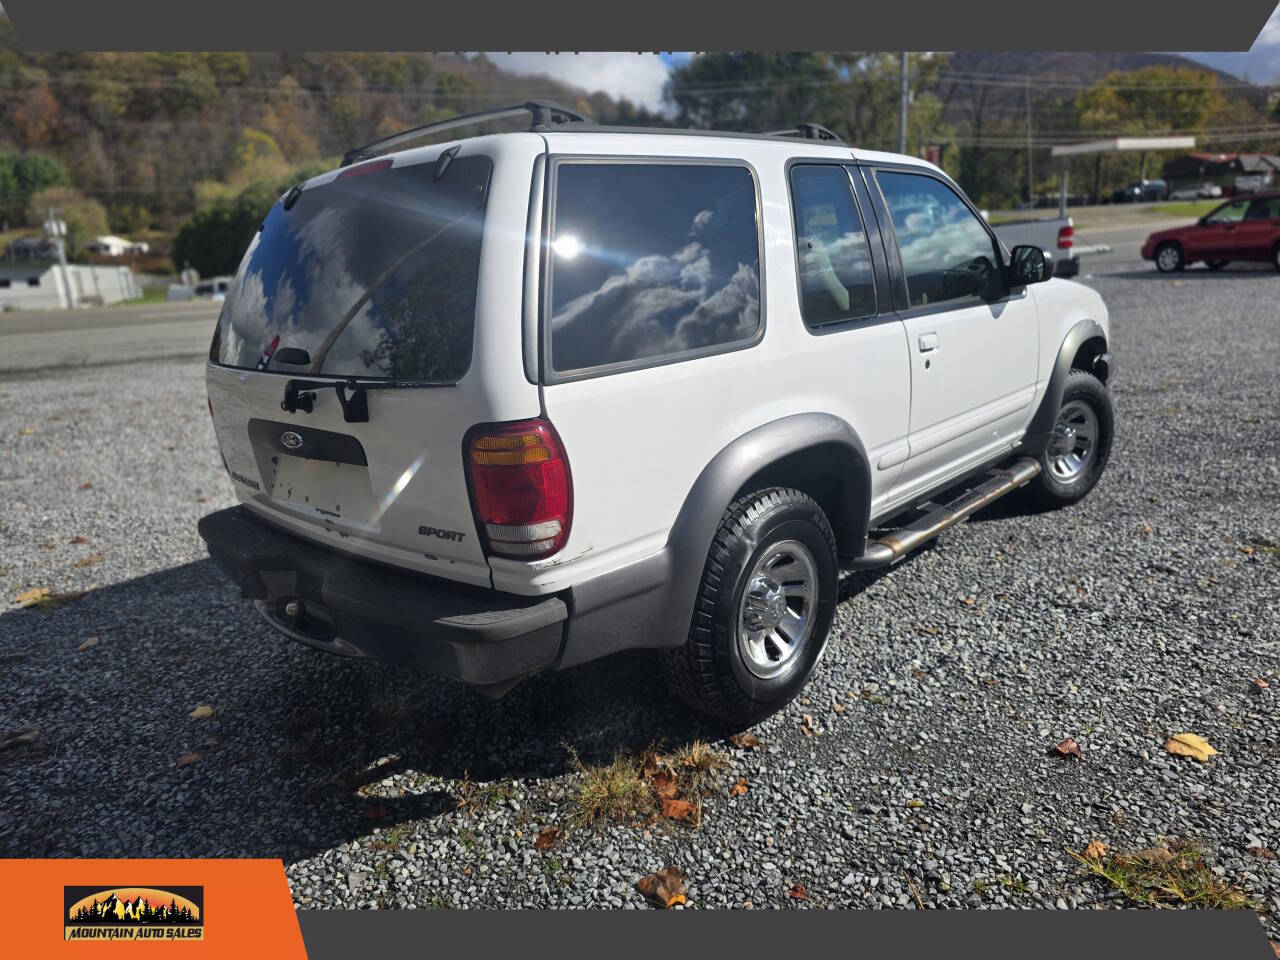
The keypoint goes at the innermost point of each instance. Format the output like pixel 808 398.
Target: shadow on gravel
pixel 297 736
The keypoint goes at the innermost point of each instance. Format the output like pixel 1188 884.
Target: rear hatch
pixel 379 278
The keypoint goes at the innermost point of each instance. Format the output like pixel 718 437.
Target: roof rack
pixel 542 114
pixel 806 131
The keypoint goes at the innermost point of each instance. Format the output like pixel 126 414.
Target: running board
pixel 895 545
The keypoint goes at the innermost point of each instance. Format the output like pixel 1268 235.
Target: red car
pixel 1245 228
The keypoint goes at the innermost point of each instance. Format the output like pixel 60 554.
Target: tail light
pixel 1066 237
pixel 520 487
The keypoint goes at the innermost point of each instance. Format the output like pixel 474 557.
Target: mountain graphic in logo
pixel 133 913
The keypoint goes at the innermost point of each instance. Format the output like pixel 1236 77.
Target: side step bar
pixel 893 546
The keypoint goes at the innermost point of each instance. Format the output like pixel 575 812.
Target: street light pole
pixel 902 107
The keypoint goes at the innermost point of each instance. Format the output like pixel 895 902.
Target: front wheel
pixel 1169 258
pixel 763 609
pixel 1080 444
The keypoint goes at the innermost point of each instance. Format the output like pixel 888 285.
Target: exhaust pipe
pixel 894 546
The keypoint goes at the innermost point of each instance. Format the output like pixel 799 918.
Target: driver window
pixel 1231 213
pixel 947 253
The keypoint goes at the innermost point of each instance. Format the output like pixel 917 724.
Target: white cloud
pixel 1261 64
pixel 639 77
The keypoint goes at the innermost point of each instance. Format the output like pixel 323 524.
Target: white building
pixel 40 285
pixel 112 246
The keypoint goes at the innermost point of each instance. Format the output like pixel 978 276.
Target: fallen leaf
pixel 202 499
pixel 1259 685
pixel 87 485
pixel 20 737
pixel 26 431
pixel 1067 748
pixel 837 708
pixel 28 597
pixel 1247 551
pixel 1146 529
pixel 188 758
pixel 745 740
pixel 546 837
pixel 202 712
pixel 78 539
pixel 375 811
pixel 665 888
pixel 915 804
pixel 674 809
pixel 664 785
pixel 89 642
pixel 89 560
pixel 1152 856
pixel 1096 850
pixel 739 788
pixel 1262 853
pixel 968 601
pixel 1276 947
pixel 1190 745
pixel 47 544
pixel 798 892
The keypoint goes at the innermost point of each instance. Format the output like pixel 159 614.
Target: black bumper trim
pixel 472 634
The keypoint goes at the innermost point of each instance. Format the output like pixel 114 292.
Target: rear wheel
pixel 1169 258
pixel 763 610
pixel 1217 264
pixel 1275 256
pixel 1080 445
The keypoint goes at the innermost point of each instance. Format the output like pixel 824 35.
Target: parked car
pixel 1245 228
pixel 1142 191
pixel 519 401
pixel 1203 191
pixel 1054 235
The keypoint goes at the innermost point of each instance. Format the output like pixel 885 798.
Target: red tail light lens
pixel 360 169
pixel 1066 238
pixel 521 488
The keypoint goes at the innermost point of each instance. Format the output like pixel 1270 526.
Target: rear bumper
pixel 1067 266
pixel 347 606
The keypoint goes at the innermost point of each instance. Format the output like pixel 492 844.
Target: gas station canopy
pixel 1117 144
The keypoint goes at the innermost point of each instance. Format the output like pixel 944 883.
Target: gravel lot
pixel 1147 610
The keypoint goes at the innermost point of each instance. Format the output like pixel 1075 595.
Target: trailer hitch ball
pixel 293 609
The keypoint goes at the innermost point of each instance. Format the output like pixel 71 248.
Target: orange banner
pixel 116 908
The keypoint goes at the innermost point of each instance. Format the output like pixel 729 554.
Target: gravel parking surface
pixel 1147 610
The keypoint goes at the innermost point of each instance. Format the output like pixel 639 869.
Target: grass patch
pixel 476 798
pixel 149 295
pixel 392 838
pixel 636 789
pixel 1186 208
pixel 1162 876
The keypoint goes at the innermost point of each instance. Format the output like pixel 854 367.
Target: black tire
pixel 1054 486
pixel 711 672
pixel 1275 256
pixel 1169 258
pixel 1217 264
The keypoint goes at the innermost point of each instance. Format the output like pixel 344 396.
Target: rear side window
pixel 1264 208
pixel 836 281
pixel 651 261
pixel 373 274
pixel 947 253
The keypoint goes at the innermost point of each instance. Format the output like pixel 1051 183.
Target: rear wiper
pixel 300 395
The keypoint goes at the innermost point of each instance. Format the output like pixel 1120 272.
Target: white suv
pixel 519 401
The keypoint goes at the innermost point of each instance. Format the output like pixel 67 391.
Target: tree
pixel 85 218
pixel 21 175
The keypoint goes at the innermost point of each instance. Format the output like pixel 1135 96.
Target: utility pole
pixel 902 108
pixel 1031 197
pixel 58 230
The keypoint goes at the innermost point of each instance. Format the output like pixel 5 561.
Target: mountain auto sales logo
pixel 133 913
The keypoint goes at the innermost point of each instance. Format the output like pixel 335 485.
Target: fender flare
pixel 1041 425
pixel 650 602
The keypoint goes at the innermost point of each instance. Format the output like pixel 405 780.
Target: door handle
pixel 928 341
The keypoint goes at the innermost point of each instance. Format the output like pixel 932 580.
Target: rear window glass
pixel 373 274
pixel 651 261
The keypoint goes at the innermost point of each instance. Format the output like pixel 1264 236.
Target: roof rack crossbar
pixel 807 131
pixel 542 113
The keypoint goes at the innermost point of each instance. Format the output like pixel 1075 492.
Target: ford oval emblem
pixel 291 440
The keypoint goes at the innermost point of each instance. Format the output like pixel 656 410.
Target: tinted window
pixel 1264 208
pixel 651 260
pixel 946 251
pixel 373 274
pixel 1229 213
pixel 831 248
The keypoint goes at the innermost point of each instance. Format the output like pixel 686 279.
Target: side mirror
pixel 1028 264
